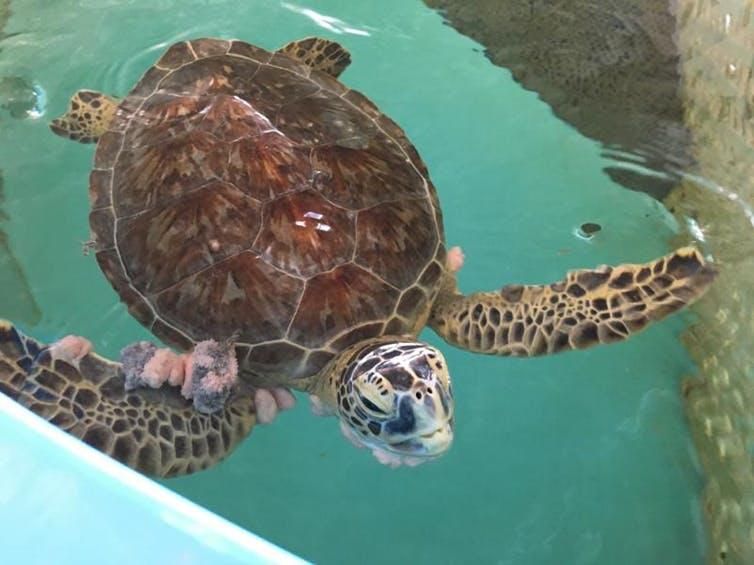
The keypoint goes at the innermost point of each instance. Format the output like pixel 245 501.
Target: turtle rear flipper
pixel 155 431
pixel 88 117
pixel 589 307
pixel 321 54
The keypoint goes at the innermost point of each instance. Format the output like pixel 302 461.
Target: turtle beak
pixel 431 444
pixel 424 424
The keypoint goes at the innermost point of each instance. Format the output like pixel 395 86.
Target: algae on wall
pixel 716 42
pixel 669 85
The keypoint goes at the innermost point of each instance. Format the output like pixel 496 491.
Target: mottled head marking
pixel 397 397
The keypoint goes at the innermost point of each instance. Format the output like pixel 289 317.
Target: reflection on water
pixel 608 67
pixel 667 87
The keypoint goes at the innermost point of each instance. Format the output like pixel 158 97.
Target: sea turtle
pixel 252 210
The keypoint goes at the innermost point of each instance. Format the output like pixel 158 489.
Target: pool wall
pixel 716 42
pixel 64 502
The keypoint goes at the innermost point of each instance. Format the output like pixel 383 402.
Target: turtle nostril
pixel 418 395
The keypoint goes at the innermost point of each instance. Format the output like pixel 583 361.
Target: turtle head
pixel 396 399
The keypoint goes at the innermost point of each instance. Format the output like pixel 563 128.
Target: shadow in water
pixel 16 299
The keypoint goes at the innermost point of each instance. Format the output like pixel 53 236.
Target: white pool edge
pixel 189 515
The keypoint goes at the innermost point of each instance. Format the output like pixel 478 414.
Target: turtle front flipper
pixel 88 117
pixel 321 54
pixel 589 307
pixel 155 431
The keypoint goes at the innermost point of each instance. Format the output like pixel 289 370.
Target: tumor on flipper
pixel 210 375
pixel 134 358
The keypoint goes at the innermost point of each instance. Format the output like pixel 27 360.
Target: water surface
pixel 578 458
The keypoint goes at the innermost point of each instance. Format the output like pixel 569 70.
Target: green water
pixel 578 458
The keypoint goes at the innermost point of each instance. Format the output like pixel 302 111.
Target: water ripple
pixel 120 76
pixel 329 23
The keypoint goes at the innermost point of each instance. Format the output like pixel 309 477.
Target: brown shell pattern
pixel 240 194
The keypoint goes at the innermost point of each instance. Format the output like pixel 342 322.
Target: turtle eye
pixel 376 398
pixel 369 405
